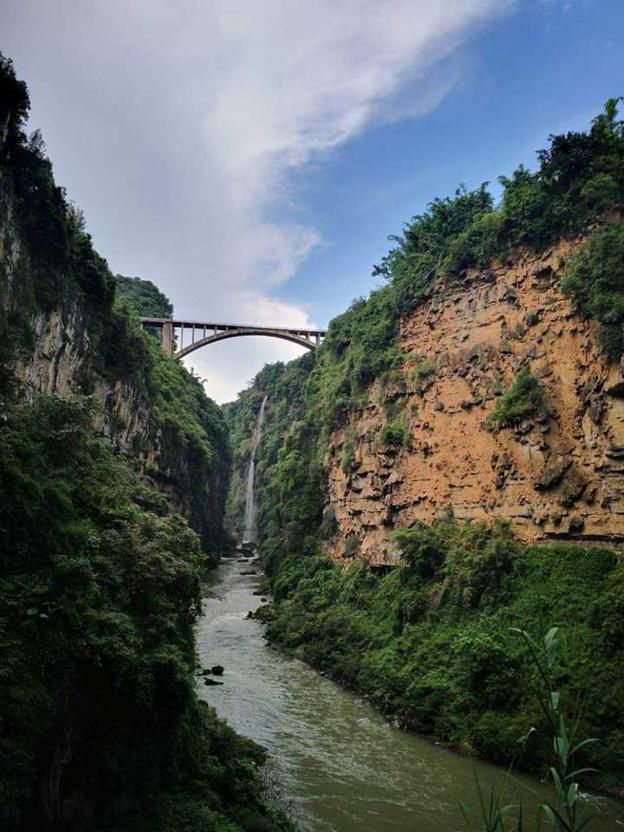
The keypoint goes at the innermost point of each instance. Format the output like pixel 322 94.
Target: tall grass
pixel 566 813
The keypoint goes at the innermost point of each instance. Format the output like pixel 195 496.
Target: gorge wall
pixel 559 474
pixel 553 474
pixel 482 381
pixel 61 340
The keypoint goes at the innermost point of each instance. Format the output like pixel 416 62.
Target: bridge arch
pixel 174 332
pixel 240 333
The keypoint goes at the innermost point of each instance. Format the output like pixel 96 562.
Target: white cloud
pixel 177 126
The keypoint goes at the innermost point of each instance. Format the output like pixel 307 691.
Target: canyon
pixel 406 522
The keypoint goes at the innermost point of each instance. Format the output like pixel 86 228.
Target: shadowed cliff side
pixel 102 441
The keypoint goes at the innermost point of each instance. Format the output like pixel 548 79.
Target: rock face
pixel 56 345
pixel 61 358
pixel 560 474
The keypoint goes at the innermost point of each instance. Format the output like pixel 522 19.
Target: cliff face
pixel 59 364
pixel 61 338
pixel 559 474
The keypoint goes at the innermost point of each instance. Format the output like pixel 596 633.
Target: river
pixel 342 766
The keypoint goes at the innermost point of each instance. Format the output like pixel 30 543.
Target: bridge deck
pixel 188 324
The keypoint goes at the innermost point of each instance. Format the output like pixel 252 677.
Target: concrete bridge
pixel 174 333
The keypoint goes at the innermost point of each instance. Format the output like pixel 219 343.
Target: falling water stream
pixel 249 533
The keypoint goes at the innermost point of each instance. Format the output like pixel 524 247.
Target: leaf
pixel 572 794
pixel 581 771
pixel 580 745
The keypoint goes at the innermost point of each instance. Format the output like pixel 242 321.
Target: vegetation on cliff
pixel 524 398
pixel 100 590
pixel 595 280
pixel 431 642
pixel 143 298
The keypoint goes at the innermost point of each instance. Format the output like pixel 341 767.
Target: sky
pixel 251 157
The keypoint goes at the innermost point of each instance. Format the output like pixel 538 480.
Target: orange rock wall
pixel 561 474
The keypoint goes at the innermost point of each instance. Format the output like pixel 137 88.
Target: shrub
pixel 352 546
pixel 423 369
pixel 524 398
pixel 595 281
pixel 393 434
pixel 348 456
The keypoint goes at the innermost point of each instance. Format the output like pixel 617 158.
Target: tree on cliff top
pixel 143 298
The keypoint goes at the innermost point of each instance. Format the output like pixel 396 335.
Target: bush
pixel 595 281
pixel 348 456
pixel 524 398
pixel 393 434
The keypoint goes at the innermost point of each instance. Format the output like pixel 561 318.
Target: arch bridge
pixel 174 333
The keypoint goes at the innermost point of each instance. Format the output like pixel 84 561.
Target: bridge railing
pixel 201 333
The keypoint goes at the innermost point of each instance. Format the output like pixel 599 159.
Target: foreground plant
pixel 493 811
pixel 569 814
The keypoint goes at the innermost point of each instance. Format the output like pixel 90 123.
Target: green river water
pixel 342 767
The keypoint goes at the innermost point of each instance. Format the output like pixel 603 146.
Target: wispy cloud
pixel 178 126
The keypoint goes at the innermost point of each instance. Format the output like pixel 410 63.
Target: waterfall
pixel 249 530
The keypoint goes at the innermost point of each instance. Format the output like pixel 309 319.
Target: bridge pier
pixel 166 339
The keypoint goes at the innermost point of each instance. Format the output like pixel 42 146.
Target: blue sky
pixel 251 158
pixel 543 68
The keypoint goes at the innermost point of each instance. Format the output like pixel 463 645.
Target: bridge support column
pixel 166 339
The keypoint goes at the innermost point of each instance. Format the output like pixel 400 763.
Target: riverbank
pixel 341 766
pixel 431 644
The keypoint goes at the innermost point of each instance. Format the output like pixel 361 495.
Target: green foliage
pixel 143 298
pixel 570 814
pixel 439 237
pixel 352 546
pixel 581 175
pixel 194 453
pixel 477 244
pixel 431 643
pixel 595 281
pixel 348 455
pixel 99 593
pixel 122 351
pixel 524 398
pixel 393 434
pixel 423 369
